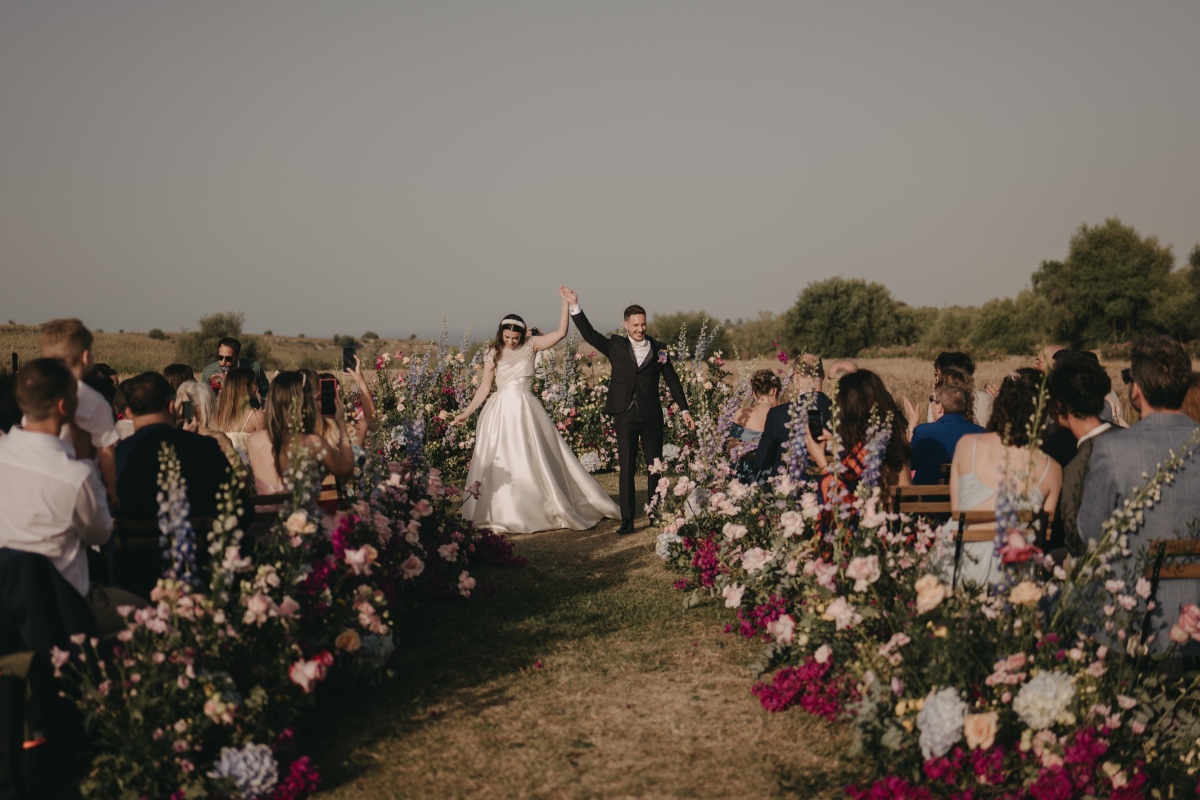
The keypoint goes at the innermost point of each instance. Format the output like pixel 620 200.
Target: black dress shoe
pixel 626 527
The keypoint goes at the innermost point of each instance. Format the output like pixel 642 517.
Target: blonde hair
pixel 234 399
pixel 67 339
pixel 202 400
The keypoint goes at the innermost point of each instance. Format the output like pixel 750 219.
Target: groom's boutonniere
pixel 662 356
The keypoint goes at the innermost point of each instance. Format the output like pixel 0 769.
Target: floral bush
pixel 1040 685
pixel 197 696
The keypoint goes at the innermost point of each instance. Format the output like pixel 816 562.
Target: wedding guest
pixel 843 366
pixel 1044 358
pixel 1077 387
pixel 984 463
pixel 229 357
pixel 291 406
pixel 92 433
pixel 364 416
pixel 326 427
pixel 177 374
pixel 862 399
pixel 1191 401
pixel 933 443
pixel 237 412
pixel 204 404
pixel 51 503
pixel 808 376
pixel 748 423
pixel 1160 374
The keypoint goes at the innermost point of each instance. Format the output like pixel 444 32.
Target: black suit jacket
pixel 769 455
pixel 202 464
pixel 628 379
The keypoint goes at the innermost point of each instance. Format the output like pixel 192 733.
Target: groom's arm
pixel 589 334
pixel 672 378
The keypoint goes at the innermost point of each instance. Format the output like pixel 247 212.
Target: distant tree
pixel 268 332
pixel 156 333
pixel 756 337
pixel 370 336
pixel 344 341
pixel 1107 287
pixel 120 330
pixel 300 336
pixel 947 328
pixel 666 327
pixel 412 336
pixel 1013 326
pixel 840 316
pixel 200 347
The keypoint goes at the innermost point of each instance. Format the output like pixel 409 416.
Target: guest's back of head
pixel 1078 385
pixel 66 339
pixel 764 381
pixel 841 368
pixel 234 402
pixel 861 394
pixel 290 409
pixel 953 399
pixel 148 393
pixel 954 360
pixel 41 384
pixel 177 374
pixel 1162 370
pixel 1015 405
pixel 203 401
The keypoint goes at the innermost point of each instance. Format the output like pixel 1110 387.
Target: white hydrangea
pixel 590 461
pixel 941 722
pixel 1045 700
pixel 662 547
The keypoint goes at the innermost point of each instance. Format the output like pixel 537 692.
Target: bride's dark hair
pixel 507 324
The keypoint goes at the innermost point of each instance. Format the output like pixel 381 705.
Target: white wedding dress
pixel 529 479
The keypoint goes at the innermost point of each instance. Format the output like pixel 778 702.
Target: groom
pixel 637 364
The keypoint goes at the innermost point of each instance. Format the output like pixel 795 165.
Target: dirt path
pixel 582 676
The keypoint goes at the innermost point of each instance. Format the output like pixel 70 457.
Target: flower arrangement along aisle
pixel 1040 685
pixel 197 696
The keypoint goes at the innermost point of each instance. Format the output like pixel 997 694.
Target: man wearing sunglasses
pixel 228 357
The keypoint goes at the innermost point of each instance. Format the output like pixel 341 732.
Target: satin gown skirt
pixel 529 478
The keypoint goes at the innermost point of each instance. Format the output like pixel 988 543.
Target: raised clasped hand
pixel 569 295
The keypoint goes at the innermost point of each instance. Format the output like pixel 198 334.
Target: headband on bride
pixel 511 321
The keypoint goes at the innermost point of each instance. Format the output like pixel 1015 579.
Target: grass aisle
pixel 581 676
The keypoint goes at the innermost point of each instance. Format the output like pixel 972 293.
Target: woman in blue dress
pixel 748 424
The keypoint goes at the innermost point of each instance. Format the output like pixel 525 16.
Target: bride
pixel 529 479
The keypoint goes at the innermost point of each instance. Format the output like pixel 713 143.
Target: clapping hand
pixel 569 295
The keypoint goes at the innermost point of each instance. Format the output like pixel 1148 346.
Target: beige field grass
pixel 582 676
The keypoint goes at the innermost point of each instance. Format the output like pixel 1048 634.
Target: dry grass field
pixel 130 353
pixel 582 676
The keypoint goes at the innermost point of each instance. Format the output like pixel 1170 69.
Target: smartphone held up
pixel 329 389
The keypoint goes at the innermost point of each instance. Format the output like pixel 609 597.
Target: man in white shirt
pixel 51 503
pixel 93 430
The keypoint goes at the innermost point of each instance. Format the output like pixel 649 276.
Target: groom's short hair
pixel 634 309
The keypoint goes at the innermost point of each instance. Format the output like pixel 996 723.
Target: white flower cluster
pixel 1045 700
pixel 662 547
pixel 941 722
pixel 590 461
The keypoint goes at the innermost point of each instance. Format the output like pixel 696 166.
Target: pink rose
pixel 930 593
pixel 1188 625
pixel 1016 549
pixel 362 559
pixel 412 567
pixel 980 730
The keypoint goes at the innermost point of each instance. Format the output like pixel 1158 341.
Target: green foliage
pixel 839 317
pixel 1108 287
pixel 1012 326
pixel 199 348
pixel 666 327
pixel 756 337
pixel 268 332
pixel 344 341
pixel 156 333
pixel 370 335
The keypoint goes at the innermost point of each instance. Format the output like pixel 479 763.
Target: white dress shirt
pixel 50 503
pixel 640 349
pixel 94 416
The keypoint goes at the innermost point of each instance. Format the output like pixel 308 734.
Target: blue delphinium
pixel 177 539
pixel 879 435
pixel 252 769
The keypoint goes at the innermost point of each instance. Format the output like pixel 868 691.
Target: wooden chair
pixel 944 474
pixel 922 500
pixel 1170 560
pixel 1038 522
pixel 143 534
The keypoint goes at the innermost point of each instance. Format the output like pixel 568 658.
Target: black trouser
pixel 632 427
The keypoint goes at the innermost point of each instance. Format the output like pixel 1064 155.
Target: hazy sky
pixel 345 166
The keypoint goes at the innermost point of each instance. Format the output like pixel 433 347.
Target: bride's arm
pixel 548 340
pixel 485 386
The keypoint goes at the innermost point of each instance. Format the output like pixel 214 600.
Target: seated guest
pixel 979 406
pixel 843 366
pixel 1160 373
pixel 1077 388
pixel 151 404
pixel 808 377
pixel 933 443
pixel 178 374
pixel 237 412
pixel 1001 458
pixel 93 431
pixel 229 357
pixel 862 399
pixel 51 503
pixel 748 423
pixel 291 406
pixel 1191 401
pixel 204 404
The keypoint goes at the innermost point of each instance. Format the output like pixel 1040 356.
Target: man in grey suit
pixel 1158 380
pixel 229 351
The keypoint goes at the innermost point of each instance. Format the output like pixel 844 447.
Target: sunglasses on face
pixel 226 358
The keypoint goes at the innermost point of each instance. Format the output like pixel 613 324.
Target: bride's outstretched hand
pixel 569 295
pixel 460 419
